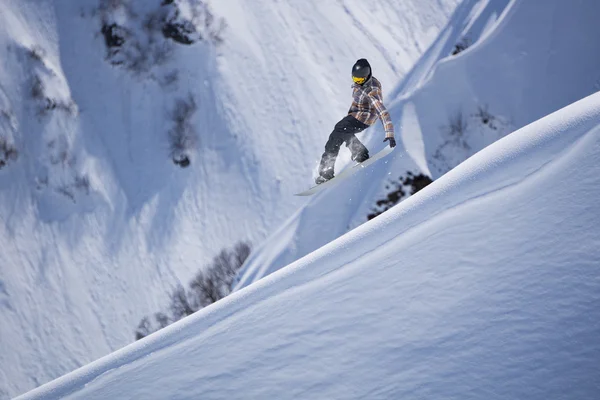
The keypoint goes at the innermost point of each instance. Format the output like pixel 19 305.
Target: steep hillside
pixel 139 138
pixel 484 285
pixel 497 66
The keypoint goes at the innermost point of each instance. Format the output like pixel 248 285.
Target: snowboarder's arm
pixel 382 112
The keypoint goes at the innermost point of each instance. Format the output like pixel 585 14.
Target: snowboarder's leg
pixel 332 148
pixel 359 152
pixel 353 126
pixel 343 132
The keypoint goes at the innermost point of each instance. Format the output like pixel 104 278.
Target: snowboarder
pixel 367 106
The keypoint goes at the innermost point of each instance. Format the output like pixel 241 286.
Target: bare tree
pixel 143 329
pixel 7 152
pixel 162 320
pixel 241 252
pixel 458 124
pixel 210 285
pixel 183 134
pixel 214 282
pixel 180 305
pixel 486 117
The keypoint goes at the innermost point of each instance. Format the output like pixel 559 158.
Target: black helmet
pixel 361 71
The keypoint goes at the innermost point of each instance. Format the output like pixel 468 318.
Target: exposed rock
pixel 403 187
pixel 182 32
pixel 177 28
pixel 114 35
pixel 183 161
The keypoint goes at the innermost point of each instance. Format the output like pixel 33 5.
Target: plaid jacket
pixel 367 105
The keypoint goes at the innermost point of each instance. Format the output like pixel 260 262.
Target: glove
pixel 391 140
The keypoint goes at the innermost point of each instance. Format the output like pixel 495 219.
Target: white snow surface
pixel 97 225
pixel 484 285
pixel 525 60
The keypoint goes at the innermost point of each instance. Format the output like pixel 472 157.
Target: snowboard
pixel 346 173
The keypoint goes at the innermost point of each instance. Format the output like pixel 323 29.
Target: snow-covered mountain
pixel 102 104
pixel 497 66
pixel 484 285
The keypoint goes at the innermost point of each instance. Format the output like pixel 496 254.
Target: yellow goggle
pixel 358 80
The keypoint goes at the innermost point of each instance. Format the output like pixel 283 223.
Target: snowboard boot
pixel 324 176
pixel 361 157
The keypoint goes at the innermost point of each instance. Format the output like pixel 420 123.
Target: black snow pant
pixel 343 132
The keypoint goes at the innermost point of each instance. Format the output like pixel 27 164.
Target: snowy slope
pixel 483 285
pixel 524 61
pixel 97 223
